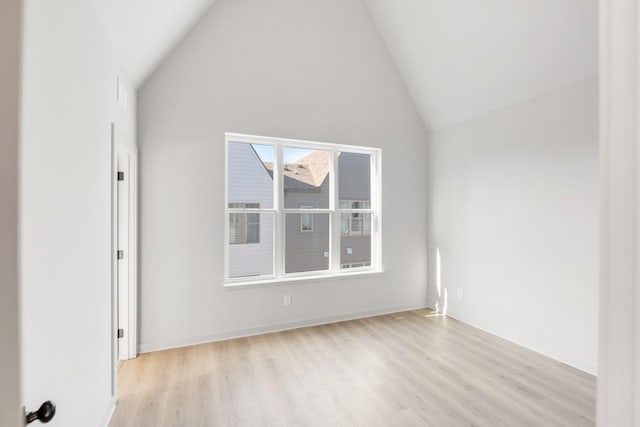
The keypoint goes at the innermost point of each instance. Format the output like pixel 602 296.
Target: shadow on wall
pixel 441 301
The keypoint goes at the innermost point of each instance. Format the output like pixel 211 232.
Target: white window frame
pixel 279 212
pixel 302 230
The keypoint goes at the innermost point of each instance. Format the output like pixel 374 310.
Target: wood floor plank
pixel 415 368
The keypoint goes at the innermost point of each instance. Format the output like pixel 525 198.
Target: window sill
pixel 301 279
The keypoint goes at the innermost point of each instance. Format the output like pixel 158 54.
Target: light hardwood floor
pixel 407 369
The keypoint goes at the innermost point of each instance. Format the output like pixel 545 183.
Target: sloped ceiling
pixel 458 58
pixel 463 58
pixel 143 32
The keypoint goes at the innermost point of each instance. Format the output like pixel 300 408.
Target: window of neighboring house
pixel 306 220
pixel 244 228
pixel 357 223
pixel 315 209
pixel 355 265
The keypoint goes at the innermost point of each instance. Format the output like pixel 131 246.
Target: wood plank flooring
pixel 406 369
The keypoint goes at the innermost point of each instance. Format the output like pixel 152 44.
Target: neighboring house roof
pixel 307 173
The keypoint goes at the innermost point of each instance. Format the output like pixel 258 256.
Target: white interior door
pixel 123 255
pixel 126 244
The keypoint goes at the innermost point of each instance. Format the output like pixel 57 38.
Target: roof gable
pixel 308 173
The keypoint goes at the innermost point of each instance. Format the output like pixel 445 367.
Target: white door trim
pixel 114 269
pixel 619 356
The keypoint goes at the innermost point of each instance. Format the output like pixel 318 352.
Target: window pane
pixel 253 218
pixel 306 250
pixel 250 244
pixel 250 174
pixel 354 176
pixel 344 224
pixel 355 240
pixel 306 222
pixel 306 177
pixel 361 204
pixel 244 227
pixel 253 233
pixel 366 225
pixel 237 229
pixel 355 224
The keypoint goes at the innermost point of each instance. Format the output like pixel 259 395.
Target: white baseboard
pixel 577 363
pixel 109 413
pixel 269 328
pixel 544 350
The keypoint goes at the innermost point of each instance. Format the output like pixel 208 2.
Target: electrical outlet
pixel 459 292
pixel 287 300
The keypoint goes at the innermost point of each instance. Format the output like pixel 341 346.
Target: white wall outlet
pixel 287 300
pixel 459 292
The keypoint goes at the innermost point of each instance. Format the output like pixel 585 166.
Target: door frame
pixel 619 344
pixel 11 399
pixel 114 273
pixel 120 146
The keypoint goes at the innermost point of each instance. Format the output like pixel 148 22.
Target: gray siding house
pixel 306 185
pixel 250 235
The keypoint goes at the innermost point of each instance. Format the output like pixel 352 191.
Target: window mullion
pixel 334 216
pixel 279 242
pixel 376 232
pixel 307 210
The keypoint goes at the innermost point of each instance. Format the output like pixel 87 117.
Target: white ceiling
pixel 463 58
pixel 459 58
pixel 143 32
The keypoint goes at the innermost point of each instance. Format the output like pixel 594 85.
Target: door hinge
pixel 120 333
pixel 120 176
pixel 120 254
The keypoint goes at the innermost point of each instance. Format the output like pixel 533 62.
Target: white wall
pixel 10 36
pixel 514 217
pixel 306 69
pixel 69 91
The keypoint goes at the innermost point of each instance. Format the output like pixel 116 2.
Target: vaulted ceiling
pixel 458 58
pixel 463 58
pixel 143 32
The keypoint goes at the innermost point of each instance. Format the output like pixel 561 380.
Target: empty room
pixel 319 213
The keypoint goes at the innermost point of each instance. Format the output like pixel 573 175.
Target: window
pixel 356 224
pixel 299 208
pixel 306 220
pixel 244 227
pixel 355 265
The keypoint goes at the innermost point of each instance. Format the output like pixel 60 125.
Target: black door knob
pixel 44 414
